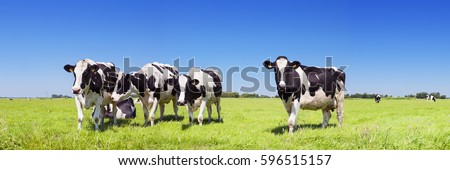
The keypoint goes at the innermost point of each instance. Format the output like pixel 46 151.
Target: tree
pixel 421 95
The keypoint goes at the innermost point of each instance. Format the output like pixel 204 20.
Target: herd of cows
pixel 100 85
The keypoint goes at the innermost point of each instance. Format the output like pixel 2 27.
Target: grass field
pixel 44 124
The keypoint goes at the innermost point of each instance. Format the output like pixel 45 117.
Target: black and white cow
pixel 154 84
pixel 93 85
pixel 309 88
pixel 431 97
pixel 378 98
pixel 125 110
pixel 200 88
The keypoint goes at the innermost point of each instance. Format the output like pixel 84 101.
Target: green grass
pixel 248 124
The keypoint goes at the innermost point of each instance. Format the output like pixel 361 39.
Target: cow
pixel 93 85
pixel 200 88
pixel 125 110
pixel 308 88
pixel 377 98
pixel 431 97
pixel 154 84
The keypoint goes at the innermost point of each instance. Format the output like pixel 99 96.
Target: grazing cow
pixel 201 88
pixel 154 84
pixel 125 110
pixel 431 97
pixel 93 86
pixel 309 88
pixel 378 98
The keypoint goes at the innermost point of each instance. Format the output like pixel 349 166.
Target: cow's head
pixel 284 71
pixel 187 88
pixel 128 84
pixel 84 71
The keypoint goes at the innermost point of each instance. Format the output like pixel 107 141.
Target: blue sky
pixel 391 47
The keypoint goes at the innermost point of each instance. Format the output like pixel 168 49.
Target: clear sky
pixel 390 47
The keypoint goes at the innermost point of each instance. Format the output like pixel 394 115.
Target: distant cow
pixel 93 85
pixel 309 88
pixel 154 84
pixel 431 97
pixel 378 98
pixel 200 88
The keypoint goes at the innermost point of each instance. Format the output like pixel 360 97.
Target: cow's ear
pixel 195 82
pixel 295 64
pixel 69 68
pixel 268 64
pixel 93 68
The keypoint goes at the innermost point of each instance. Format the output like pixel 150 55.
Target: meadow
pixel 249 124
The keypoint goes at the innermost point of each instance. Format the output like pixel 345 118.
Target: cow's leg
pixel 191 115
pixel 293 115
pixel 209 107
pixel 161 111
pixel 200 114
pixel 80 113
pixel 97 112
pixel 340 113
pixel 114 111
pixel 102 115
pixel 144 102
pixel 152 112
pixel 175 107
pixel 326 117
pixel 218 110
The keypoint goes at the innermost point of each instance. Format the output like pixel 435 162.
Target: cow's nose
pixel 180 103
pixel 76 91
pixel 282 84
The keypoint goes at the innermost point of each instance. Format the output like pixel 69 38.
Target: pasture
pixel 249 124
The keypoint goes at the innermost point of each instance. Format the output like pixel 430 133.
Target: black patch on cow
pixel 157 93
pixel 127 107
pixel 158 68
pixel 171 70
pixel 110 77
pixel 303 89
pixel 96 82
pixel 323 77
pixel 192 92
pixel 151 83
pixel 124 84
pixel 139 81
pixel 218 83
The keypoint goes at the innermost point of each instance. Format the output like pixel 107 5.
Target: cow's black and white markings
pixel 309 88
pixel 154 84
pixel 378 98
pixel 431 97
pixel 125 110
pixel 200 89
pixel 93 86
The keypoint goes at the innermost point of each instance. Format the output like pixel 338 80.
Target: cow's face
pixel 83 73
pixel 284 71
pixel 185 86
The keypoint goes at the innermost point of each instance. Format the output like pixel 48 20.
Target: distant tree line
pixel 364 95
pixel 60 96
pixel 244 95
pixel 423 95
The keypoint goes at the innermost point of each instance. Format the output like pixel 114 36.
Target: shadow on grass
pixel 284 129
pixel 205 122
pixel 169 118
